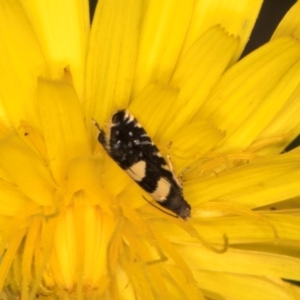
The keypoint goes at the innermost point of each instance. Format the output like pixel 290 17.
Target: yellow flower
pixel 73 225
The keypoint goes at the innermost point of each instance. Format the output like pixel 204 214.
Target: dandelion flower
pixel 73 225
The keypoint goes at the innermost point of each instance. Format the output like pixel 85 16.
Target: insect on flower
pixel 129 145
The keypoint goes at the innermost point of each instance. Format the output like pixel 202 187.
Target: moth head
pixel 184 211
pixel 178 205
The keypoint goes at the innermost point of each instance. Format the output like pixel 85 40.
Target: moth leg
pixel 181 174
pixel 101 133
pixel 169 163
pixel 178 180
pixel 97 125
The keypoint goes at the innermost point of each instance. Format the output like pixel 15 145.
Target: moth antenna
pixel 97 125
pixel 159 208
pixel 181 174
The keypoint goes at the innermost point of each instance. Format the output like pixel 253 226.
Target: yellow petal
pixel 237 17
pixel 27 170
pixel 199 70
pixel 240 229
pixel 112 56
pixel 285 126
pixel 62 28
pixel 80 229
pixel 241 104
pixel 43 249
pixel 5 130
pixel 289 24
pixel 177 27
pixel 192 142
pixel 84 176
pixel 10 255
pixel 259 183
pixel 287 227
pixel 21 63
pixel 12 199
pixel 110 170
pixel 161 40
pixel 154 110
pixel 5 123
pixel 63 126
pixel 249 262
pixel 29 248
pixel 245 287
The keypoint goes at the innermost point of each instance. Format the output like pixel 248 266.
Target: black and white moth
pixel 129 145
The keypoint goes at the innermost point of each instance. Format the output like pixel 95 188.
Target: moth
pixel 129 145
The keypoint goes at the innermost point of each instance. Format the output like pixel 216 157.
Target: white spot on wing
pixel 137 171
pixel 162 190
